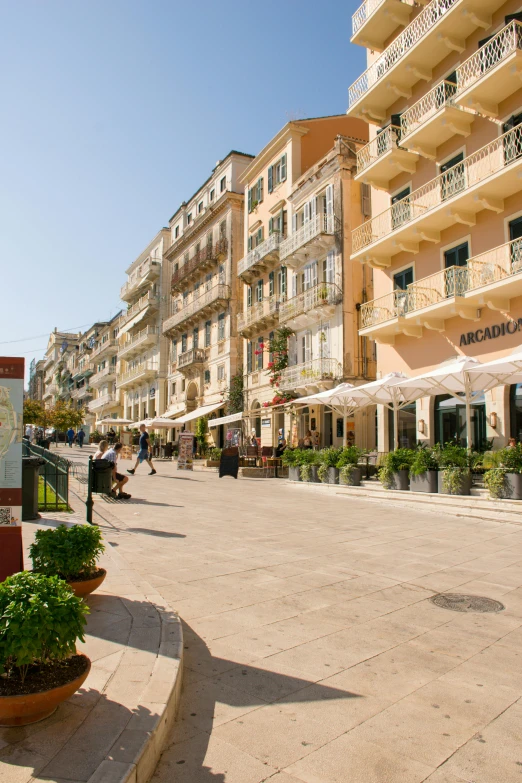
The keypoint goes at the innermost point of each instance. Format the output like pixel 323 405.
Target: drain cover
pixel 466 603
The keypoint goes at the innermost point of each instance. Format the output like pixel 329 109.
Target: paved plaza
pixel 312 651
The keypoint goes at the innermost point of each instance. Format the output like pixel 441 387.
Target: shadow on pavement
pixel 159 533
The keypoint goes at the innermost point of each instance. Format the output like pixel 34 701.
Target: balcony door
pixel 513 141
pixel 515 237
pixel 456 256
pixel 453 178
pixel 401 210
pixel 401 281
pixel 306 346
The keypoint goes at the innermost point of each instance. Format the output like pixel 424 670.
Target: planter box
pixel 425 482
pixel 355 479
pixel 314 478
pixel 513 486
pixel 213 463
pixel 465 484
pixel 400 480
pixel 333 476
pixel 294 474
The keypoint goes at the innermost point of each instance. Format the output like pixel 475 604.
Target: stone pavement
pixel 312 651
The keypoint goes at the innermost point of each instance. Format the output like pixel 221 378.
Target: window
pixel 208 332
pixel 221 372
pixel 401 281
pixel 223 229
pixel 250 354
pixel 457 256
pixel 212 194
pixel 208 281
pixel 196 289
pixel 277 224
pixel 450 420
pixel 176 232
pixel 277 173
pixel 173 389
pixel 271 284
pixel 270 354
pixel 249 296
pixel 456 283
pixel 207 376
pixel 400 211
pixel 259 291
pixel 200 207
pixel 255 195
pixel 221 326
pixel 189 218
pixel 406 426
pixel 195 337
pixel 259 352
pixel 453 180
pixel 223 184
pixel 183 384
pixel 282 282
pixel 184 339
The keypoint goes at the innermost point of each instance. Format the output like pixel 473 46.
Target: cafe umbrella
pixel 337 398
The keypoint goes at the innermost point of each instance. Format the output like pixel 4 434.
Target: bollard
pixel 89 502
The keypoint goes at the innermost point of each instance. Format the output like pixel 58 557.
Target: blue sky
pixel 114 112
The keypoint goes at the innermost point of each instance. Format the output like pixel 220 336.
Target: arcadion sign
pixel 491 332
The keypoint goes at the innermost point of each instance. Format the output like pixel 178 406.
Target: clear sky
pixel 115 111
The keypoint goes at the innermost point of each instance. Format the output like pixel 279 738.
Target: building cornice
pixel 290 131
pixel 229 198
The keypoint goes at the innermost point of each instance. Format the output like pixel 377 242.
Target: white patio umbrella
pixel 387 391
pixel 337 398
pixel 117 422
pixel 505 370
pixel 158 423
pixel 463 378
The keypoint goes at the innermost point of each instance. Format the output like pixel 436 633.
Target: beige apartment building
pixel 206 243
pixel 36 380
pixel 301 201
pixel 106 399
pixel 141 364
pixel 444 98
pixel 60 348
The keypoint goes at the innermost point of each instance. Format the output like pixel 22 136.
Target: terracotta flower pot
pixel 87 586
pixel 33 707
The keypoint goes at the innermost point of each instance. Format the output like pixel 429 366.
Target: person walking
pixel 70 437
pixel 144 454
pixel 80 437
pixel 111 436
pixel 119 480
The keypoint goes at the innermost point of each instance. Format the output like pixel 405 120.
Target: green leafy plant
pixel 97 436
pixel 290 458
pixel 64 415
pixel 400 459
pixel 67 552
pixel 452 478
pixel 234 394
pixel 307 460
pixel 201 434
pixel 349 455
pixel 509 458
pixel 452 456
pixel 495 481
pixel 424 459
pixel 40 621
pixel 346 474
pixel 327 459
pixel 214 454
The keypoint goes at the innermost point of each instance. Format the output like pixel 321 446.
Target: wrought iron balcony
pixel 199 263
pixel 376 20
pixel 108 347
pixel 140 372
pixel 259 316
pixel 433 120
pixel 493 73
pixel 315 304
pixel 261 257
pixel 308 376
pixel 147 336
pixel 481 181
pixel 490 279
pixel 81 393
pixel 382 159
pixel 148 271
pixel 192 359
pixel 103 401
pixel 102 376
pixel 145 305
pixel 213 299
pixel 315 237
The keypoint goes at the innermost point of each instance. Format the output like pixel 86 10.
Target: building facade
pixel 444 162
pixel 206 243
pixel 299 286
pixel 36 380
pixel 61 346
pixel 106 399
pixel 141 364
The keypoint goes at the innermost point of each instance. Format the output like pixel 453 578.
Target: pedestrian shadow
pixel 142 502
pixel 159 533
pixel 178 478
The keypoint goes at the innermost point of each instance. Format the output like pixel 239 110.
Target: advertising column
pixel 11 418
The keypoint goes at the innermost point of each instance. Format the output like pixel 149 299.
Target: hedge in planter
pixel 455 463
pixel 291 458
pixel 504 479
pixel 349 473
pixel 70 553
pixel 309 461
pixel 393 473
pixel 327 470
pixel 40 622
pixel 423 470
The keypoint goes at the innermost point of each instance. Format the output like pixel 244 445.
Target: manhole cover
pixel 466 603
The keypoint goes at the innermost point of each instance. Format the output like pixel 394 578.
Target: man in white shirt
pixel 118 478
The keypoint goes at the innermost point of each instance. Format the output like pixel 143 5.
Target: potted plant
pixel 70 553
pixel 327 471
pixel 213 457
pixel 394 471
pixel 309 463
pixel 322 293
pixel 40 623
pixel 423 470
pixel 504 478
pixel 291 459
pixel 454 477
pixel 349 473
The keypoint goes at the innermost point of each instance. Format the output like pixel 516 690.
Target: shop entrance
pixel 450 421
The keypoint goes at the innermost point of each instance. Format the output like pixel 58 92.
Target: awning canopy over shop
pixel 198 412
pixel 171 413
pixel 226 419
pixel 117 422
pixel 159 423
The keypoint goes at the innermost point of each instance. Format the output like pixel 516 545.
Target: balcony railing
pixel 102 375
pixel 83 391
pixel 380 145
pixel 312 229
pixel 310 373
pixel 320 295
pixel 493 266
pixel 146 335
pixel 146 271
pixel 219 293
pixel 141 304
pixel 193 356
pixel 102 401
pixel 270 246
pixel 400 47
pixel 258 312
pixel 472 170
pixel 441 95
pixel 102 347
pixel 504 43
pixel 139 370
pixel 208 253
pixel 365 11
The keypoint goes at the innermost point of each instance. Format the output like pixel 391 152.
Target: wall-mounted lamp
pixel 422 426
pixel 493 419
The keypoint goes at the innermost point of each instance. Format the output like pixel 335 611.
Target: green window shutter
pixel 271 224
pixel 250 199
pixel 271 284
pixel 250 243
pixel 249 296
pixel 270 179
pixel 259 235
pixel 260 189
pixel 283 168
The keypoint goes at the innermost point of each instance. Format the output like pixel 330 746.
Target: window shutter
pixel 271 284
pixel 259 235
pixel 250 243
pixel 249 296
pixel 294 284
pixel 294 223
pixel 313 208
pixel 329 206
pixel 330 267
pixel 250 199
pixel 306 212
pixel 283 168
pixel 270 179
pixel 271 221
pixel 260 189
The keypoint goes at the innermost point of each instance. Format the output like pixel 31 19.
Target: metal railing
pixel 380 145
pixel 488 160
pixel 319 224
pixel 254 256
pixel 83 391
pixel 364 12
pixel 504 43
pixel 316 296
pixel 494 265
pixel 191 357
pixel 102 347
pixel 102 374
pixel 310 372
pixel 53 478
pixel 150 264
pixel 139 369
pixel 141 304
pixel 211 252
pixel 102 401
pixel 441 95
pixel 138 338
pixel 198 303
pixel 400 47
pixel 257 312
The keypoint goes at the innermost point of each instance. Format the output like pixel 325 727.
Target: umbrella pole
pixel 469 439
pixel 345 421
pixel 395 426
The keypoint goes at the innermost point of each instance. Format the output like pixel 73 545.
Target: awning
pixel 225 419
pixel 176 410
pixel 196 414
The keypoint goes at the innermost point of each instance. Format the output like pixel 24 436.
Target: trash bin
pixel 101 476
pixel 30 467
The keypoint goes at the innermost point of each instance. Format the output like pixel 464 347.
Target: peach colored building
pixel 444 98
pixel 301 201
